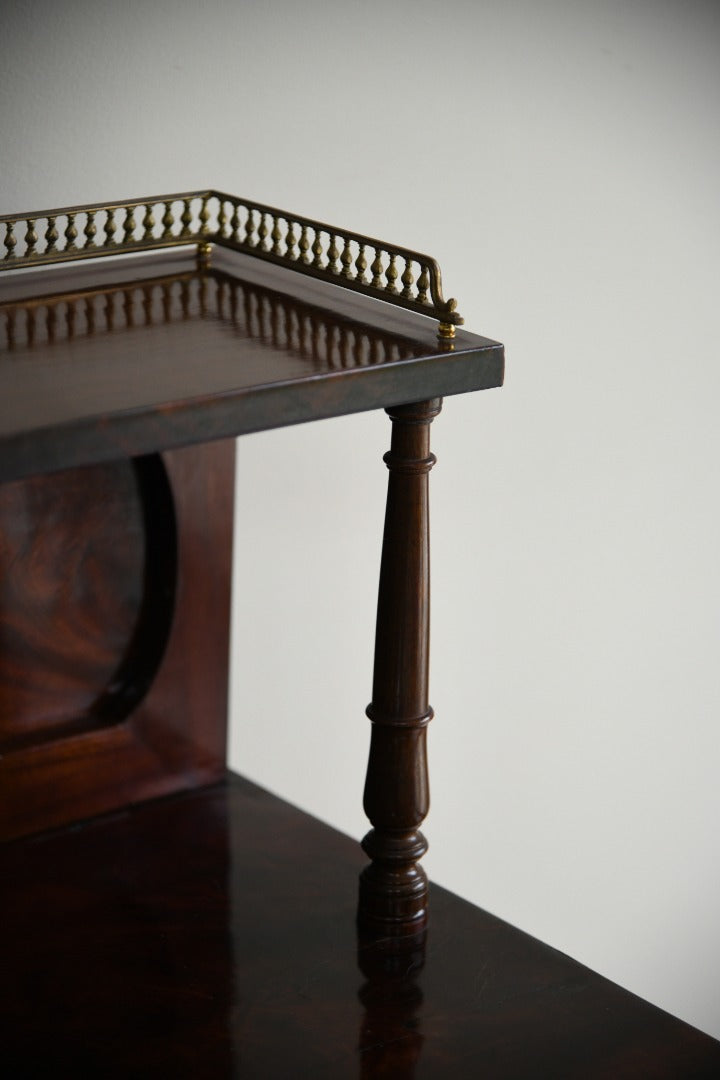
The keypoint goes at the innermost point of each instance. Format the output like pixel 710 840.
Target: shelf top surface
pixel 146 353
pixel 244 960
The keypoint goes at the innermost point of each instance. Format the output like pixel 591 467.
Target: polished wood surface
pixel 114 627
pixel 212 934
pixel 72 567
pixel 107 362
pixel 393 889
pixel 217 932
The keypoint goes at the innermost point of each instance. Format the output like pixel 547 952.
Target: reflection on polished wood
pixel 260 314
pixel 212 935
pixel 107 362
pixel 392 1029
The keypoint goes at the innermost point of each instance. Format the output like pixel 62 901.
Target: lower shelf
pixel 212 934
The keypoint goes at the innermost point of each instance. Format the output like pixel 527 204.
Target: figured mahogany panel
pixel 114 618
pixel 78 587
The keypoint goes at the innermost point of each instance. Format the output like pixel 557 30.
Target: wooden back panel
pixel 114 633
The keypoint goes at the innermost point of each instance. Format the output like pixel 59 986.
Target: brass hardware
pixel 90 230
pixel 31 237
pixel 168 220
pixel 70 233
pixel 10 240
pixel 129 227
pixel 204 252
pixel 109 229
pixel 52 235
pixel 148 223
pixel 398 275
pixel 185 217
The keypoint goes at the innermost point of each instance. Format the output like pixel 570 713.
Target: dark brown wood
pixel 393 889
pixel 114 623
pixel 72 568
pixel 211 934
pixel 104 363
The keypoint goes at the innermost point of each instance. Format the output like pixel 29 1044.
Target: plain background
pixel 561 160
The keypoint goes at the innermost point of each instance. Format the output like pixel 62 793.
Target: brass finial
pixel 446 327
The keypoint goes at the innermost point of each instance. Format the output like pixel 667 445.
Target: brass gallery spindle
pixel 90 230
pixel 167 221
pixel 51 235
pixel 317 250
pixel 391 274
pixel 70 232
pixel 129 225
pixel 346 258
pixel 376 269
pixel 333 255
pixel 148 222
pixel 208 218
pixel 235 222
pixel 407 279
pixel 204 217
pixel 423 284
pixel 222 219
pixel 250 228
pixel 304 245
pixel 361 265
pixel 262 231
pixel 276 237
pixel 109 228
pixel 10 240
pixel 393 888
pixel 186 218
pixel 31 237
pixel 290 242
pixel 204 247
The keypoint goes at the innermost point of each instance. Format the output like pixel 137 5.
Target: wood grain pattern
pixel 212 934
pixel 72 555
pixel 160 725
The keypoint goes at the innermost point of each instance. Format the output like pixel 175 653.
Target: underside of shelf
pixel 213 934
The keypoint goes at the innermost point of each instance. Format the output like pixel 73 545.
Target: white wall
pixel 561 159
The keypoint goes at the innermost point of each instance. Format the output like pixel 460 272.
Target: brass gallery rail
pixel 203 218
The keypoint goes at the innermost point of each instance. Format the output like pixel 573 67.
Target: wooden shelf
pixel 135 356
pixel 213 934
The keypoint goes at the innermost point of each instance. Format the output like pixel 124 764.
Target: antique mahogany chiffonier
pixel 161 917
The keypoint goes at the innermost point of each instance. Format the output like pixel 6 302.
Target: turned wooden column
pixel 393 888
